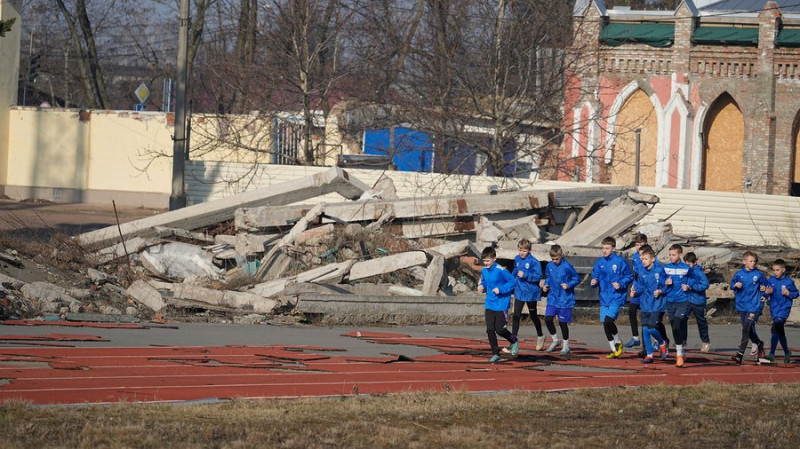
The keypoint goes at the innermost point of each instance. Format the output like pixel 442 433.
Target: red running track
pixel 70 375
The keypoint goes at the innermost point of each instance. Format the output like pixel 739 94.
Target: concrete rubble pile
pixel 372 257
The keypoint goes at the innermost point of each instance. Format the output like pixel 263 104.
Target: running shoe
pixel 613 355
pixel 738 357
pixel 506 350
pixel 705 347
pixel 771 358
pixel 761 353
pixel 633 343
pixel 647 359
pixel 664 350
pixel 494 359
pixel 787 358
pixel 564 350
pixel 514 348
pixel 679 361
pixel 619 350
pixel 753 349
pixel 552 346
pixel 540 343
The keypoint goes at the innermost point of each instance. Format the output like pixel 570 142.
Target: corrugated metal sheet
pixel 745 218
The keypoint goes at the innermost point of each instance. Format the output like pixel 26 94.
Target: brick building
pixel 703 97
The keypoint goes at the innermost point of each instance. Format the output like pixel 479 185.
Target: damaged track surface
pixel 73 375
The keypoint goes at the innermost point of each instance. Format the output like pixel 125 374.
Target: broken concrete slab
pixel 434 276
pixel 392 309
pixel 271 266
pixel 263 218
pixel 205 214
pixel 449 250
pixel 146 295
pixel 387 264
pixel 227 298
pixel 612 220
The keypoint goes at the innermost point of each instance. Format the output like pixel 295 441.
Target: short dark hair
pixel 648 251
pixel 750 253
pixel 646 247
pixel 608 240
pixel 779 262
pixel 676 247
pixel 690 257
pixel 488 253
pixel 640 238
pixel 556 250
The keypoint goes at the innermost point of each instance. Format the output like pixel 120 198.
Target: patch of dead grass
pixel 708 415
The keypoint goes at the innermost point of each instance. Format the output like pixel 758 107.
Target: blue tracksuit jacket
pixel 698 284
pixel 557 274
pixel 679 273
pixel 612 269
pixel 527 288
pixel 779 305
pixel 647 282
pixel 748 298
pixel 497 276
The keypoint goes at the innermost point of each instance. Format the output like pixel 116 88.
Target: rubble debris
pixel 213 212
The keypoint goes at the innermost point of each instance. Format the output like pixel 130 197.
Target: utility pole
pixel 177 199
pixel 638 155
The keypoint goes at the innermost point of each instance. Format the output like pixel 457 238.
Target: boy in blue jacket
pixel 696 289
pixel 748 285
pixel 498 284
pixel 613 276
pixel 633 307
pixel 780 292
pixel 648 287
pixel 528 272
pixel 560 281
pixel 677 300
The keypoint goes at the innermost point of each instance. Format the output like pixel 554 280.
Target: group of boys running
pixel 677 289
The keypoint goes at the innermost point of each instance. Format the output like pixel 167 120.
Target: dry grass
pixel 709 415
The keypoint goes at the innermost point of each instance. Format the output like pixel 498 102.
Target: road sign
pixel 142 93
pixel 140 106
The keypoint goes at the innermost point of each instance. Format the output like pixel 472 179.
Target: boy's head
pixel 644 248
pixel 640 240
pixel 690 258
pixel 488 255
pixel 524 248
pixel 675 253
pixel 609 244
pixel 749 260
pixel 648 257
pixel 778 268
pixel 556 254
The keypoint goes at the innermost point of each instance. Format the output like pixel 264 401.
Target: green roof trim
pixel 725 36
pixel 652 34
pixel 788 37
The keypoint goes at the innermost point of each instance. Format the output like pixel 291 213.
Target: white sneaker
pixel 540 342
pixel 705 347
pixel 506 350
pixel 753 349
pixel 552 346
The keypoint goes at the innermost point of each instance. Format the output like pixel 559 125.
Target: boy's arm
pixel 507 282
pixel 534 274
pixel 596 273
pixel 793 292
pixel 626 275
pixel 701 281
pixel 573 278
pixel 734 280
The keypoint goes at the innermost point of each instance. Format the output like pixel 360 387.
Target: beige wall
pixel 9 74
pixel 68 155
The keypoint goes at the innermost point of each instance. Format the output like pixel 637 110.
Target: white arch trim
pixel 697 145
pixel 593 136
pixel 677 103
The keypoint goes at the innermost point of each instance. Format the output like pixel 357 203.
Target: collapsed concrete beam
pixel 228 299
pixel 269 263
pixel 387 264
pixel 406 306
pixel 147 295
pixel 612 220
pixel 261 218
pixel 205 214
pixel 452 226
